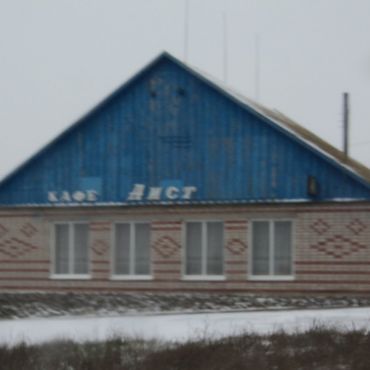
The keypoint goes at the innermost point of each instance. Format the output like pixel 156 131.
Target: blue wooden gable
pixel 169 135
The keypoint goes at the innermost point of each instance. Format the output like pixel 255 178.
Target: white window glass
pixel 81 249
pixel 271 248
pixel 215 237
pixel 71 249
pixel 204 248
pixel 61 249
pixel 261 259
pixel 283 248
pixel 132 249
pixel 142 249
pixel 122 252
pixel 193 248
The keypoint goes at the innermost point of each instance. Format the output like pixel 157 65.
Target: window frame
pixel 130 276
pixel 71 248
pixel 202 277
pixel 271 277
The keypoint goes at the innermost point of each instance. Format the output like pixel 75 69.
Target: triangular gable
pixel 171 135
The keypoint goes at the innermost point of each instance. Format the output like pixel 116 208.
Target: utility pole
pixel 345 123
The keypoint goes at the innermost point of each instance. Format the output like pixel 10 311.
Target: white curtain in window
pixel 62 249
pixel 260 242
pixel 122 249
pixel 215 237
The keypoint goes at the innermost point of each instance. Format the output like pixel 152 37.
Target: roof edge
pixel 355 169
pixel 87 114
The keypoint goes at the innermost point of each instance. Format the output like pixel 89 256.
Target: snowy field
pixel 178 327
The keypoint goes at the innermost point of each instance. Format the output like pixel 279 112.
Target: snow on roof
pixel 288 124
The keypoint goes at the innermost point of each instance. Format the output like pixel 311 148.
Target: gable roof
pixel 272 117
pixel 285 122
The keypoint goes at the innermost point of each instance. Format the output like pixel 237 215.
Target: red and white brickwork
pixel 331 248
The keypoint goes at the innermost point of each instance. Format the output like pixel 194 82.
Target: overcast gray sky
pixel 58 58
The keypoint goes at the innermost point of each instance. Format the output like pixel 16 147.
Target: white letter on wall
pixel 52 196
pixel 137 192
pixel 92 195
pixel 78 196
pixel 65 197
pixel 154 193
pixel 172 192
pixel 188 191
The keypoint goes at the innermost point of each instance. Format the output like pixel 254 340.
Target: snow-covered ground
pixel 178 327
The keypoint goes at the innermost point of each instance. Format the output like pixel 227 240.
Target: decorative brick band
pixel 24 261
pixel 100 247
pixel 100 226
pixel 338 246
pixel 236 246
pixel 326 272
pixel 28 229
pixel 100 270
pixel 167 272
pixel 166 223
pixel 167 262
pixel 166 226
pixel 14 247
pixel 356 226
pixel 23 270
pixel 236 225
pixel 339 263
pixel 3 230
pixel 166 229
pixel 235 272
pixel 166 246
pixel 100 262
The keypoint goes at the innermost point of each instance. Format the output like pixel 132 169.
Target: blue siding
pixel 169 127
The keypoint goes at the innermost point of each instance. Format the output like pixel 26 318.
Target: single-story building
pixel 176 183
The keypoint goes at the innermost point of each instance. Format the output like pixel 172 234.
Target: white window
pixel 204 249
pixel 271 248
pixel 71 252
pixel 131 250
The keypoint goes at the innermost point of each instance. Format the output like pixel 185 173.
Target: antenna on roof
pixel 186 31
pixel 225 47
pixel 345 123
pixel 257 67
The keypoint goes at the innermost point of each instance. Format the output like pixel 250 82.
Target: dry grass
pixel 319 348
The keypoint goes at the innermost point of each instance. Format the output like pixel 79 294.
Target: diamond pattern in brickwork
pixel 338 246
pixel 166 246
pixel 14 247
pixel 236 246
pixel 100 247
pixel 3 230
pixel 320 226
pixel 356 226
pixel 28 229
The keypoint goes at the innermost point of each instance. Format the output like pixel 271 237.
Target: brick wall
pixel 331 248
